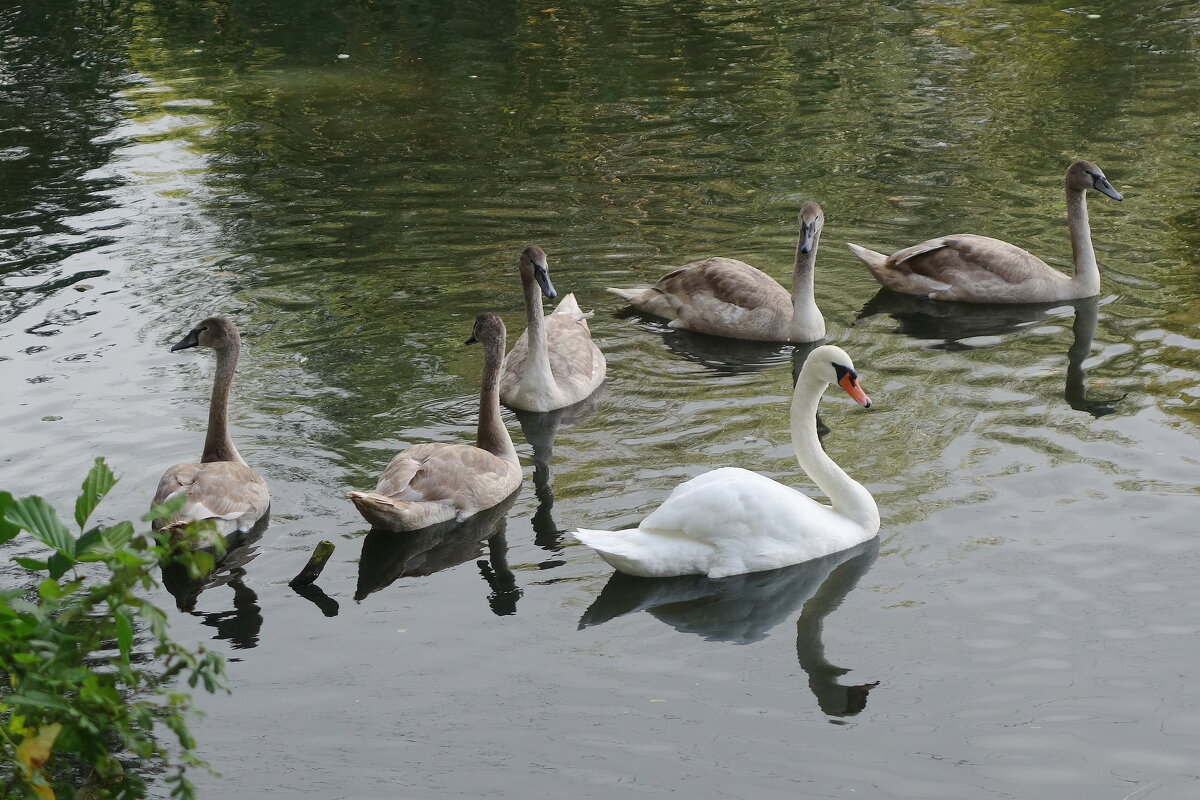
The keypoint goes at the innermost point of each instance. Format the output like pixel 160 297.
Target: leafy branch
pixel 87 668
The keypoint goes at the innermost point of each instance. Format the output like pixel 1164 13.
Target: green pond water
pixel 353 182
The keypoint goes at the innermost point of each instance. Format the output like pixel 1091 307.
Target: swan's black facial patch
pixel 843 371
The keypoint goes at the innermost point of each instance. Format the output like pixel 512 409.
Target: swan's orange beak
pixel 850 384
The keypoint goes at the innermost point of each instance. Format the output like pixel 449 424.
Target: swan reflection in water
pixel 744 608
pixel 721 355
pixel 241 624
pixel 387 556
pixel 540 428
pixel 953 322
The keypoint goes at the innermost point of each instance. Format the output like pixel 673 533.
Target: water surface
pixel 1025 626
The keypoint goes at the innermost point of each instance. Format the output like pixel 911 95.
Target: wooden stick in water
pixel 312 570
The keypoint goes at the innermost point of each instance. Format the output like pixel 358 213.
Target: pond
pixel 352 183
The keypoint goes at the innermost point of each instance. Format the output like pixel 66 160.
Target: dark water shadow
pixel 540 428
pixel 721 355
pixel 388 556
pixel 954 322
pixel 241 624
pixel 744 608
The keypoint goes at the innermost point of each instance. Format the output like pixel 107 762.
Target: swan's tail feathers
pixel 631 295
pixel 389 514
pixel 646 554
pixel 569 305
pixel 871 258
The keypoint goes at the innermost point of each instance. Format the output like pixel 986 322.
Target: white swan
pixel 979 269
pixel 732 520
pixel 727 297
pixel 554 363
pixel 222 487
pixel 436 482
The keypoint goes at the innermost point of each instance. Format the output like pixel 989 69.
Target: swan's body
pixel 554 363
pixel 979 269
pixel 732 520
pixel 436 482
pixel 727 297
pixel 222 487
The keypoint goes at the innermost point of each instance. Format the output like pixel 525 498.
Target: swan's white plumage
pixel 731 520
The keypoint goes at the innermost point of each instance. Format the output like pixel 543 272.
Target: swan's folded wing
pixel 577 364
pixel 461 474
pixel 570 306
pixel 723 280
pixel 220 490
pixel 732 506
pixel 903 259
pixel 975 258
pixel 514 365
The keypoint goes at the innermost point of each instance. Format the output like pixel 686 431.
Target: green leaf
pixel 124 634
pixel 59 564
pixel 99 544
pixel 167 509
pixel 88 540
pixel 7 529
pixel 118 535
pixel 37 516
pixel 97 484
pixel 31 563
pixel 38 700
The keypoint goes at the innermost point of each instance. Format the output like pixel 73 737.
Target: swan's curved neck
pixel 1087 273
pixel 537 363
pixel 217 444
pixel 807 323
pixel 492 433
pixel 848 496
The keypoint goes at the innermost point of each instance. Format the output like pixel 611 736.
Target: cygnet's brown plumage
pixel 730 298
pixel 222 487
pixel 979 269
pixel 435 482
pixel 554 363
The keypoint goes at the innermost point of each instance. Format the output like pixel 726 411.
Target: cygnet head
pixel 1084 175
pixel 830 364
pixel 488 329
pixel 811 219
pixel 534 267
pixel 215 332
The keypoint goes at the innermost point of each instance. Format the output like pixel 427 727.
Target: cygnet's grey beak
pixel 542 275
pixel 1101 183
pixel 808 237
pixel 191 340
